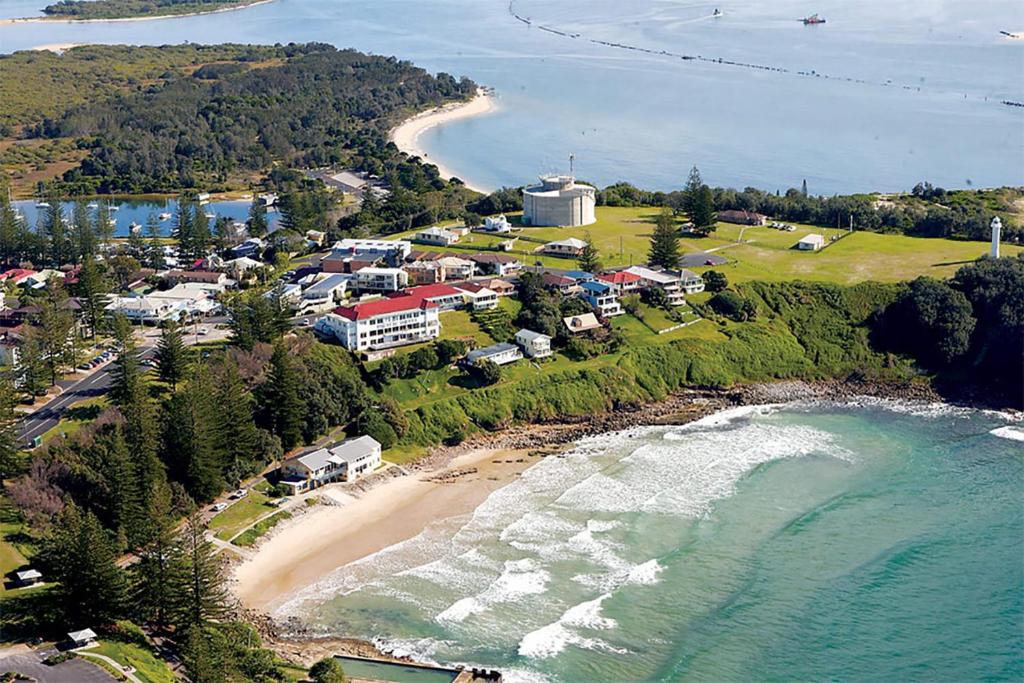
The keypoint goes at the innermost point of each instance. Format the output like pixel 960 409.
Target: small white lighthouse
pixel 997 228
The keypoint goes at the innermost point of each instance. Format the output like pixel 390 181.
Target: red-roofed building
pixel 622 281
pixel 382 324
pixel 17 275
pixel 446 297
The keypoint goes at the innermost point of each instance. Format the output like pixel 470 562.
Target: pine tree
pixel 189 437
pixel 664 242
pixel 137 248
pixel 91 588
pixel 257 223
pixel 56 324
pixel 803 188
pixel 703 211
pixel 126 370
pixel 589 259
pixel 236 432
pixel 171 356
pixel 155 251
pixel 693 184
pixel 185 228
pixel 279 398
pixel 84 236
pixel 10 228
pixel 104 226
pixel 160 569
pixel 92 293
pixel 206 654
pixel 10 421
pixel 31 370
pixel 52 226
pixel 201 237
pixel 201 595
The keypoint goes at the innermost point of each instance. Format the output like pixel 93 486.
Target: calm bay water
pixel 815 542
pixel 933 74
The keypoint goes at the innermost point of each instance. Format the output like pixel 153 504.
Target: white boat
pixel 210 216
pixel 113 207
pixel 164 216
pixel 134 228
pixel 42 205
pixel 93 205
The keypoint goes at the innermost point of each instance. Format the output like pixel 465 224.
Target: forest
pixel 118 9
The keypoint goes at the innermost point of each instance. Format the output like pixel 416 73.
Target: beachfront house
pixel 456 268
pixel 811 242
pixel 496 264
pixel 478 297
pixel 445 297
pixel 742 217
pixel 326 292
pixel 425 272
pixel 345 461
pixel 665 280
pixel 560 283
pixel 690 282
pixel 621 281
pixel 534 344
pixel 499 354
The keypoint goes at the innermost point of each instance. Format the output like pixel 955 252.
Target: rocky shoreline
pixel 293 639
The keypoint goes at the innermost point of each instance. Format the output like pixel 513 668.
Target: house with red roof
pixel 621 282
pixel 382 324
pixel 17 275
pixel 446 297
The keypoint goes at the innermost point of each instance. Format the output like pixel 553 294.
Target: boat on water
pixel 717 13
pixel 813 19
pixel 113 207
pixel 92 205
pixel 134 228
pixel 164 216
pixel 210 215
pixel 42 205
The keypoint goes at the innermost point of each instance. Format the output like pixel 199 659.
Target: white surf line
pixel 721 61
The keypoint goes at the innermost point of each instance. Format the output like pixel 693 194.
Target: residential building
pixel 811 242
pixel 567 248
pixel 497 224
pixel 425 272
pixel 204 276
pixel 496 264
pixel 559 200
pixel 601 297
pixel 28 577
pixel 581 323
pixel 381 279
pixel 249 247
pixel 327 292
pixel 316 237
pixel 41 279
pixel 345 461
pixel 143 309
pixel 534 344
pixel 436 236
pixel 621 281
pixel 691 282
pixel 241 267
pixel 665 280
pixel 477 297
pixel 456 268
pixel 9 349
pixel 290 293
pixel 16 275
pixel 499 354
pixel 446 298
pixel 742 217
pixel 580 276
pixel 564 285
pixel 393 252
pixel 382 324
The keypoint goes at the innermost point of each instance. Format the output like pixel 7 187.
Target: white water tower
pixel 997 228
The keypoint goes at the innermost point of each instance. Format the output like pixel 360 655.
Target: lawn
pixel 148 667
pixel 14 552
pixel 77 416
pixel 228 523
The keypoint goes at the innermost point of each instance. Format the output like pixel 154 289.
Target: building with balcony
pixel 382 324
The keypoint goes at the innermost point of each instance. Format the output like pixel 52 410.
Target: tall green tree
pixel 702 211
pixel 10 421
pixel 57 325
pixel 161 568
pixel 31 369
pixel 202 594
pixel 171 356
pixel 83 233
pixel 52 225
pixel 104 226
pixel 202 236
pixel 81 557
pixel 664 249
pixel 92 291
pixel 155 251
pixel 126 371
pixel 257 223
pixel 589 259
pixel 190 446
pixel 184 227
pixel 11 229
pixel 279 398
pixel 237 435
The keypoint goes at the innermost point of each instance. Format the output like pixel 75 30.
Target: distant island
pixel 139 9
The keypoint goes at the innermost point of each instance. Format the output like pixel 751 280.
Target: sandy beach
pixel 60 20
pixel 406 136
pixel 316 543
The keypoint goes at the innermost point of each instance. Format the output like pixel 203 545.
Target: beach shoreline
pixel 62 20
pixel 406 135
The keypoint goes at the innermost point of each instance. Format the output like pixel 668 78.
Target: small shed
pixel 811 242
pixel 82 638
pixel 28 577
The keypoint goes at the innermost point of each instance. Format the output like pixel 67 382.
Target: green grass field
pixel 148 667
pixel 14 552
pixel 228 523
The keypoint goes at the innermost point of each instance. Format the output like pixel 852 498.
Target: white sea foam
pixel 1008 432
pixel 645 574
pixel 726 417
pixel 588 615
pixel 519 579
pixel 550 640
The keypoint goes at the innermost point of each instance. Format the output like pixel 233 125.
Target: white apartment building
pixel 664 280
pixel 436 236
pixel 382 324
pixel 456 268
pixel 381 279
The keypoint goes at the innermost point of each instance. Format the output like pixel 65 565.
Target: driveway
pixel 71 671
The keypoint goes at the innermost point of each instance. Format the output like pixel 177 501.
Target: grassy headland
pixel 99 10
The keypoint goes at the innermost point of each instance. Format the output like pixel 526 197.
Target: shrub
pixel 129 632
pixel 732 306
pixel 327 670
pixel 715 281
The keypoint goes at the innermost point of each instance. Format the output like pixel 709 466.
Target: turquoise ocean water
pixel 812 542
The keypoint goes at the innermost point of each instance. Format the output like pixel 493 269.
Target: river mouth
pixel 723 548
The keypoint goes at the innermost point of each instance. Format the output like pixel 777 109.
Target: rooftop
pixel 383 307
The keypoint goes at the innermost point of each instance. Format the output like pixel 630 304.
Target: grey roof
pixel 329 283
pixel 531 336
pixel 346 451
pixel 488 351
pixel 314 460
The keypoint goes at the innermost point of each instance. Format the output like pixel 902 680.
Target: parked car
pixel 240 493
pixel 204 330
pixel 219 507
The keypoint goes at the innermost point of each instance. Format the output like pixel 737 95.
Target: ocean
pixel 880 97
pixel 819 541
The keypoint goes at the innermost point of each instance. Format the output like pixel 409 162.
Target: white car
pixel 219 507
pixel 204 330
pixel 240 493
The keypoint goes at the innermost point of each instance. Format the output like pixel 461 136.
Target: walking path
pixel 117 667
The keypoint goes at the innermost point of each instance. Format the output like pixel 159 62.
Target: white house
pixel 497 264
pixel 392 251
pixel 811 242
pixel 621 281
pixel 436 236
pixel 691 282
pixel 382 324
pixel 602 298
pixel 569 248
pixel 665 280
pixel 534 344
pixel 497 224
pixel 456 268
pixel 446 298
pixel 581 323
pixel 28 577
pixel 326 292
pixel 346 461
pixel 381 279
pixel 144 309
pixel 499 354
pixel 478 297
pixel 290 293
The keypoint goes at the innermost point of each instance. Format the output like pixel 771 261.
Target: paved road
pixel 72 671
